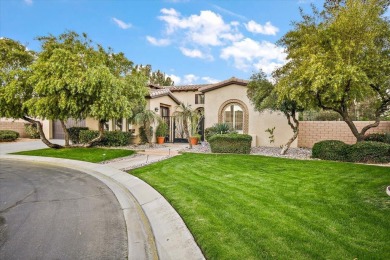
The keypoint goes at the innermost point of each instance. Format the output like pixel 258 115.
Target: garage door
pixel 58 133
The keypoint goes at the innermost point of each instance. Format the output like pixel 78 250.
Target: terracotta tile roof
pixel 224 83
pixel 155 93
pixel 187 87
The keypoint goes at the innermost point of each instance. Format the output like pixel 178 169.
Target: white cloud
pixel 158 42
pixel 249 53
pixel 121 24
pixel 205 29
pixel 210 80
pixel 195 53
pixel 267 29
pixel 190 79
pixel 28 2
pixel 175 78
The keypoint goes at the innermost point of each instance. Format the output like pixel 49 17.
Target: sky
pixel 192 41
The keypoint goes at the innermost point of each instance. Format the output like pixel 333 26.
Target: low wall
pixel 15 126
pixel 311 132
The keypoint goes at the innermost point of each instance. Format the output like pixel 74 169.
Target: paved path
pixel 50 212
pixel 154 229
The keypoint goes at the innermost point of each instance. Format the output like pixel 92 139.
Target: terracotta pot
pixel 194 140
pixel 160 139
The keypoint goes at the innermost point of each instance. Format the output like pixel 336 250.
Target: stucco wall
pixel 311 132
pixel 258 123
pixel 188 98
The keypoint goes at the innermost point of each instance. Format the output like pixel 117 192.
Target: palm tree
pixel 146 118
pixel 185 112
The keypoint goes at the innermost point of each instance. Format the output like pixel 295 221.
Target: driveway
pixel 50 212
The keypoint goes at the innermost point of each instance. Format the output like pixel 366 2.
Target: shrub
pixel 31 131
pixel 110 138
pixel 8 135
pixel 220 128
pixel 378 137
pixel 369 152
pixel 162 129
pixel 231 143
pixel 330 150
pixel 74 134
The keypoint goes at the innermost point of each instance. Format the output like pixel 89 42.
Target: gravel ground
pixel 294 153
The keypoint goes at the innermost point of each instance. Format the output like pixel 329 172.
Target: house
pixel 222 102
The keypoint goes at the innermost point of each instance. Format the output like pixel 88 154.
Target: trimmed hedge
pixel 110 138
pixel 369 152
pixel 8 135
pixel 378 137
pixel 333 150
pixel 366 152
pixel 32 131
pixel 230 143
pixel 74 133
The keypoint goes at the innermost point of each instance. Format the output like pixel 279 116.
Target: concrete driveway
pixel 50 212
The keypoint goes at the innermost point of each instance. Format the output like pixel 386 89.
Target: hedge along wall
pixel 6 124
pixel 311 132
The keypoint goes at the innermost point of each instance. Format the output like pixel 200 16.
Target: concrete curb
pixel 155 230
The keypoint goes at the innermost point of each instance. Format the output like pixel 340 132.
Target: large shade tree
pixel 73 78
pixel 338 57
pixel 263 96
pixel 15 90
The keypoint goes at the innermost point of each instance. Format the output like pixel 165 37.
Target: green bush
pixel 8 135
pixel 31 131
pixel 369 152
pixel 220 128
pixel 365 152
pixel 162 129
pixel 74 134
pixel 330 150
pixel 230 143
pixel 378 137
pixel 110 138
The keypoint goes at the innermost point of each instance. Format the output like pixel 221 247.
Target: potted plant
pixel 161 132
pixel 195 124
pixel 194 139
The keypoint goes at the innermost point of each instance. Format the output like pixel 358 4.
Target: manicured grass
pixel 254 207
pixel 82 154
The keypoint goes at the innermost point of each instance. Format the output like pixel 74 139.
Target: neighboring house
pixel 222 102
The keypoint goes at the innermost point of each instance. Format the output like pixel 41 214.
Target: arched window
pixel 234 112
pixel 234 117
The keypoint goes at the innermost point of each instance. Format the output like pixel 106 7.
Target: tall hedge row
pixel 230 143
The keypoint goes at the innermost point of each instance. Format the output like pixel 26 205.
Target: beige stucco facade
pixel 255 123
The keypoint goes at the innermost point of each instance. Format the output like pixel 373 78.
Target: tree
pixel 15 90
pixel 155 77
pixel 338 57
pixel 185 113
pixel 146 118
pixel 73 78
pixel 263 96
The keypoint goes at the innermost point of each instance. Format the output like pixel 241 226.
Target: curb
pixel 154 229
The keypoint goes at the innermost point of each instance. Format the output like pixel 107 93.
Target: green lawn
pixel 82 154
pixel 254 207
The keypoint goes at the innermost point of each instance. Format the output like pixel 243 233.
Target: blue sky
pixel 193 41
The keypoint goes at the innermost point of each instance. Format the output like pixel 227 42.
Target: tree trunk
pixel 97 139
pixel 295 127
pixel 41 133
pixel 66 133
pixel 351 125
pixel 185 125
